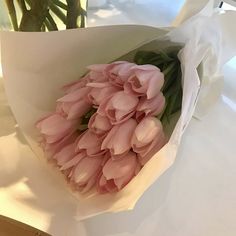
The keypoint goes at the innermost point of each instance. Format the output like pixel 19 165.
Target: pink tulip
pixel 118 140
pixel 73 161
pixel 99 124
pixel 90 143
pixel 118 72
pixel 74 105
pixel 97 73
pixel 84 175
pixel 148 136
pixel 147 80
pixel 55 127
pixel 51 149
pixel 117 173
pixel 100 92
pixel 150 107
pixel 158 143
pixel 65 154
pixel 119 108
pixel 78 84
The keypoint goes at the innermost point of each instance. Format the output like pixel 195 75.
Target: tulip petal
pixel 101 185
pixel 120 107
pixel 122 139
pixel 55 124
pixel 146 67
pixel 53 138
pixel 91 182
pixel 74 161
pixel 87 140
pixel 111 186
pixel 65 154
pixel 99 124
pixel 152 106
pixel 157 143
pixel 52 148
pixel 99 95
pixel 75 95
pixel 98 85
pixel 147 80
pixel 75 85
pixel 97 67
pixel 147 129
pixel 97 76
pixel 78 109
pixel 117 169
pixel 107 142
pixel 118 139
pixel 90 142
pixel 121 182
pixel 123 101
pixel 118 72
pixel 155 84
pixel 86 168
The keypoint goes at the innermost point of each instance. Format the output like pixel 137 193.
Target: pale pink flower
pixel 90 143
pixel 73 161
pixel 100 92
pixel 65 154
pixel 150 107
pixel 148 136
pixel 118 72
pixel 99 124
pixel 75 85
pixel 74 104
pixel 51 149
pixel 118 140
pixel 97 73
pixel 84 175
pixel 119 108
pixel 55 127
pixel 115 146
pixel 147 80
pixel 117 173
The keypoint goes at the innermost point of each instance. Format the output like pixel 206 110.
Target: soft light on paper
pixel 33 81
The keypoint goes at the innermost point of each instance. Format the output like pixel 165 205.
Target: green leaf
pixel 12 13
pixel 60 4
pixel 165 56
pixel 33 19
pixel 57 11
pixel 51 23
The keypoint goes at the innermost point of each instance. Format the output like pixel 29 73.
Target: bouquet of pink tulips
pixel 110 131
pixel 109 123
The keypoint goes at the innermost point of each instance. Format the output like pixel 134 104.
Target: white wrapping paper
pixel 36 65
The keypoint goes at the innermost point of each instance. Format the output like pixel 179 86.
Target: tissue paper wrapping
pixel 36 65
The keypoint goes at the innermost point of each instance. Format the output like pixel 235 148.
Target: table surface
pixel 196 196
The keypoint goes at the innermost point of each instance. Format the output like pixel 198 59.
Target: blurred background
pixel 111 12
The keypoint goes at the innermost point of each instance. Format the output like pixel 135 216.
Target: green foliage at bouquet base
pixel 167 61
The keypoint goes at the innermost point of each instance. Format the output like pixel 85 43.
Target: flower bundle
pixel 83 136
pixel 111 121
